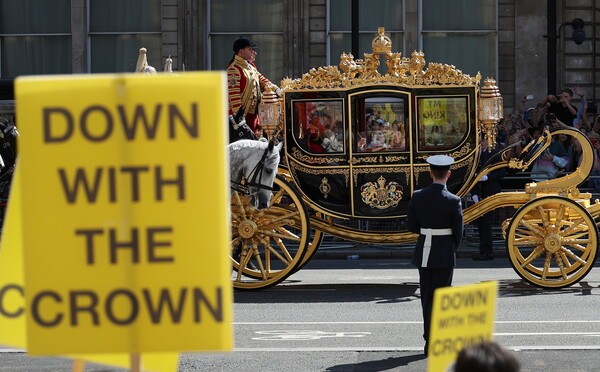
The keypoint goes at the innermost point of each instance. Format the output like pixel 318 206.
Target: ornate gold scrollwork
pixel 425 167
pixel 377 159
pixel 357 171
pixel 381 196
pixel 313 159
pixel 409 71
pixel 299 168
pixel 364 159
pixel 325 187
pixel 393 159
pixel 463 151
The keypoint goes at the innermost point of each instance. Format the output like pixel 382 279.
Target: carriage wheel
pixel 316 238
pixel 268 244
pixel 552 242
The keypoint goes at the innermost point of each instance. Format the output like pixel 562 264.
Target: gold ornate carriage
pixel 356 142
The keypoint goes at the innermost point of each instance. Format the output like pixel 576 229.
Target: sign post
pixel 462 316
pixel 125 214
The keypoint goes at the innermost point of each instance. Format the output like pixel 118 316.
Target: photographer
pixel 552 122
pixel 563 109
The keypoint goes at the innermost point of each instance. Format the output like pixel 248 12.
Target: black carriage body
pixel 360 152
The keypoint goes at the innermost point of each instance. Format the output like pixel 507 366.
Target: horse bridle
pixel 244 185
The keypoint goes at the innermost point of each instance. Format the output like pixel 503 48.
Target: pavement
pixel 333 248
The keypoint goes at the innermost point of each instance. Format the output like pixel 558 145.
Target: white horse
pixel 253 167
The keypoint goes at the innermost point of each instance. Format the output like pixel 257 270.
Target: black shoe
pixel 483 258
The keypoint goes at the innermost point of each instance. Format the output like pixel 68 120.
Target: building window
pixel 119 28
pixel 464 34
pixel 372 15
pixel 230 19
pixel 35 37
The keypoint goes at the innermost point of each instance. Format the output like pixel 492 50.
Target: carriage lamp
pixel 269 111
pixel 490 110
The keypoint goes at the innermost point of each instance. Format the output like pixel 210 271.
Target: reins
pixel 244 185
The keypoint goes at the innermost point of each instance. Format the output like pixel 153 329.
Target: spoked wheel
pixel 316 238
pixel 552 242
pixel 268 244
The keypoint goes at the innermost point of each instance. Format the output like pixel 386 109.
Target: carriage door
pixel 380 170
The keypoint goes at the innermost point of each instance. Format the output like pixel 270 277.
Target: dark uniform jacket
pixel 492 185
pixel 436 207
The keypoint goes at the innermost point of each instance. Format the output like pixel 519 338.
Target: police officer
pixel 245 83
pixel 436 215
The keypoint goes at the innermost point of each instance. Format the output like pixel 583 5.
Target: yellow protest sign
pixel 12 292
pixel 461 316
pixel 125 213
pixel 12 296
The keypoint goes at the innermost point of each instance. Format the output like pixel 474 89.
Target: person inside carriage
pixel 314 132
pixel 333 140
pixel 320 126
pixel 381 131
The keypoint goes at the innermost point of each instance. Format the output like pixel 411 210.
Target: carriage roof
pixel 401 71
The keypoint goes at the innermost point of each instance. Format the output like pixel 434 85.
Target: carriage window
pixel 381 124
pixel 442 122
pixel 318 125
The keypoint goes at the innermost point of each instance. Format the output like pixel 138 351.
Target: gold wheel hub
pixel 552 242
pixel 247 229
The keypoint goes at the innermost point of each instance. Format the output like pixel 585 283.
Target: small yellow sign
pixel 462 316
pixel 125 214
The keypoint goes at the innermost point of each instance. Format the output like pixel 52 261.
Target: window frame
pixel 388 32
pixel 494 31
pixel 234 34
pixel 30 34
pixel 89 34
pixel 299 127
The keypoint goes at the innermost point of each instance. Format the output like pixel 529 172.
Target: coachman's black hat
pixel 241 43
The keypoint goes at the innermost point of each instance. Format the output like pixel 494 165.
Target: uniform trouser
pixel 429 280
pixel 484 226
pixel 252 121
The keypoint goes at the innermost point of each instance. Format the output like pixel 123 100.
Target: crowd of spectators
pixel 564 154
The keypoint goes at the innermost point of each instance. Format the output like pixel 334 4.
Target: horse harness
pixel 244 185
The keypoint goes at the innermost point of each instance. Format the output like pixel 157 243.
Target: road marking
pixel 399 349
pixel 318 323
pixel 546 333
pixel 418 322
pixel 366 349
pixel 381 349
pixel 304 335
pixel 11 350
